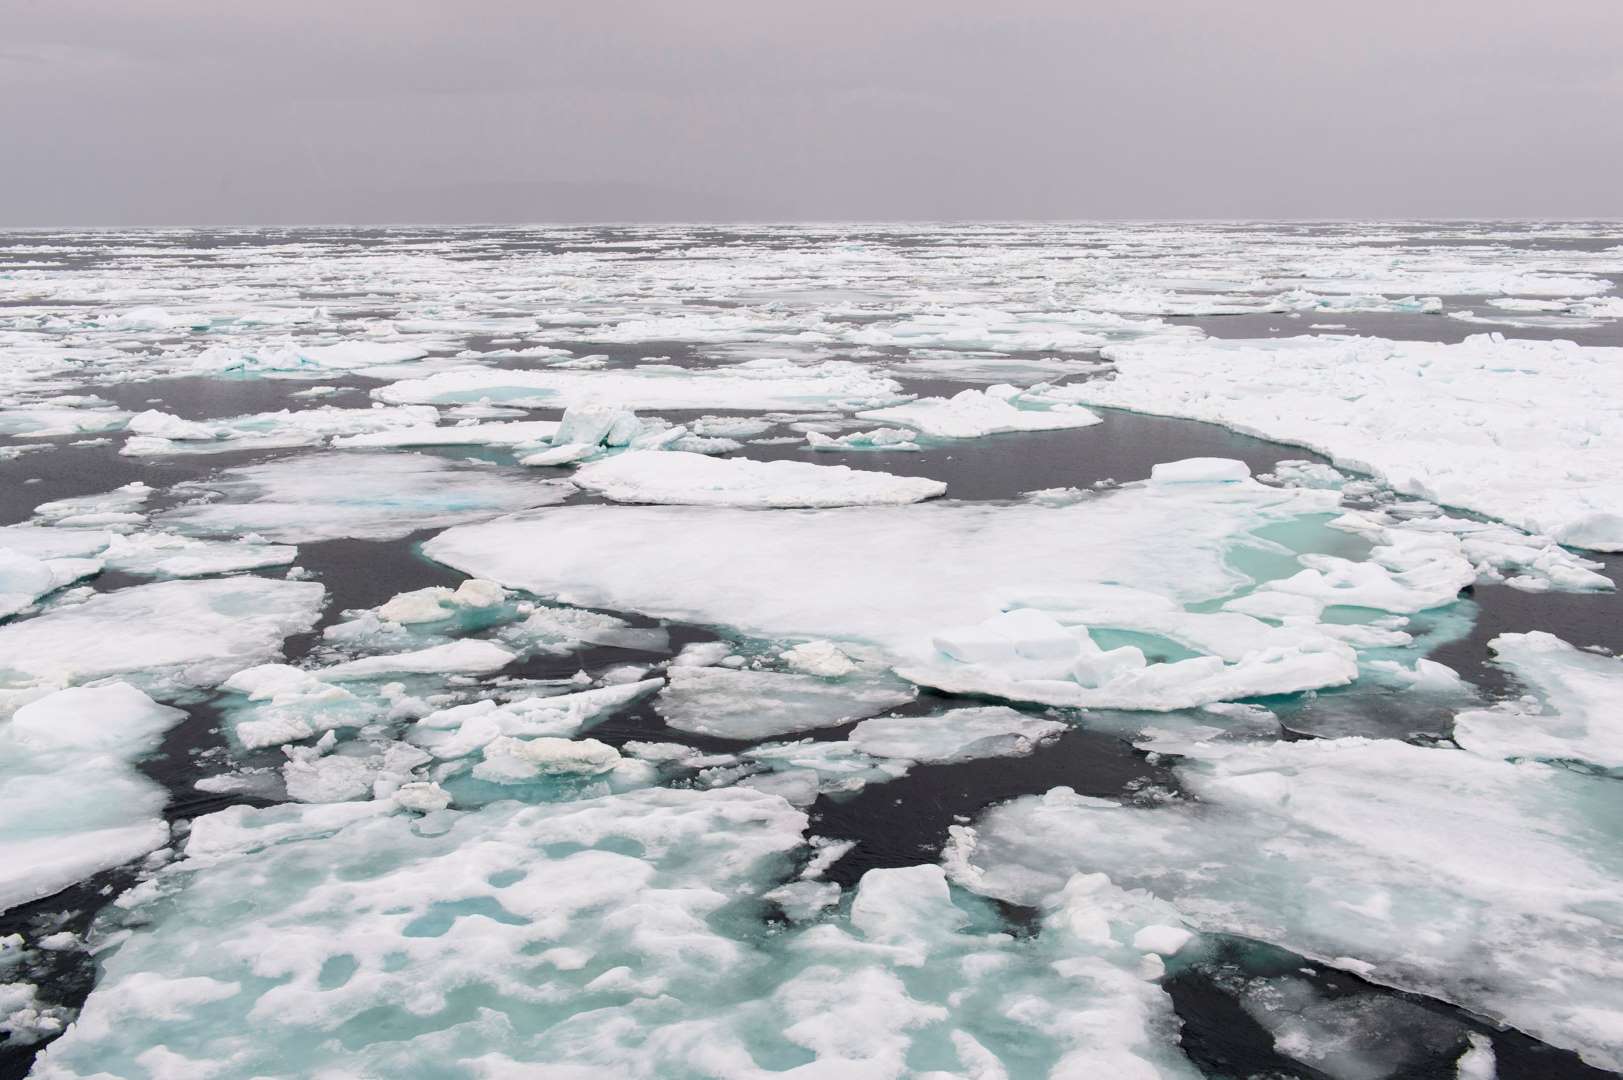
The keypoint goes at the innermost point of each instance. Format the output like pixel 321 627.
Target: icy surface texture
pixel 696 480
pixel 1008 600
pixel 608 935
pixel 996 409
pixel 754 384
pixel 71 803
pixel 1479 881
pixel 1529 432
pixel 1575 712
pixel 164 637
pixel 366 496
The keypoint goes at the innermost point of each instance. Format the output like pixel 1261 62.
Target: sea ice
pixel 364 496
pixel 164 637
pixel 754 384
pixel 1000 408
pixel 154 434
pixel 760 704
pixel 696 480
pixel 955 735
pixel 890 582
pixel 71 801
pixel 1529 432
pixel 1575 716
pixel 1504 902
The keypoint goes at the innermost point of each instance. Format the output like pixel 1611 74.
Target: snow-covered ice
pixel 1479 881
pixel 368 496
pixel 1529 432
pixel 697 480
pixel 1576 713
pixel 165 636
pixel 71 801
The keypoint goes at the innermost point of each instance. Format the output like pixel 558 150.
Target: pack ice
pixel 1503 902
pixel 1529 432
pixel 361 495
pixel 1023 601
pixel 615 935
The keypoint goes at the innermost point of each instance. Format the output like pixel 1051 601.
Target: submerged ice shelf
pixel 663 789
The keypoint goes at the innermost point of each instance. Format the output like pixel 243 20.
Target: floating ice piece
pixel 1517 863
pixel 163 554
pixel 1026 655
pixel 156 434
pixel 760 704
pixel 531 909
pixel 566 630
pixel 513 433
pixel 884 439
pixel 508 760
pixel 71 801
pixel 24 579
pixel 53 421
pixel 888 581
pixel 422 797
pixel 298 359
pixel 1524 431
pixel 755 384
pixel 438 602
pixel 1000 408
pixel 466 657
pixel 164 636
pixel 1576 716
pixel 372 497
pixel 693 479
pixel 956 735
pixel 1498 552
pixel 1205 470
pixel 286 704
pixel 817 658
pixel 463 729
pixel 26 1020
pixel 122 506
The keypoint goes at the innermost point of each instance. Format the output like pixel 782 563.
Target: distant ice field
pixel 1160 650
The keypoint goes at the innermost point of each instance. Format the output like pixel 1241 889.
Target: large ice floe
pixel 696 480
pixel 71 804
pixel 1024 601
pixel 366 496
pixel 755 384
pixel 1000 408
pixel 1529 432
pixel 164 637
pixel 1574 712
pixel 601 937
pixel 1479 881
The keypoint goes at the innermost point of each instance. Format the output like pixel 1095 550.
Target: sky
pixel 354 111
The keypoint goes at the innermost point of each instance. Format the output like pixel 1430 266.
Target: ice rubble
pixel 697 480
pixel 1529 432
pixel 956 735
pixel 760 704
pixel 163 637
pixel 614 935
pixel 754 384
pixel 498 433
pixel 361 495
pixel 156 434
pixel 290 358
pixel 1575 715
pixel 71 802
pixel 1001 408
pixel 933 589
pixel 1503 902
pixel 890 440
pixel 882 749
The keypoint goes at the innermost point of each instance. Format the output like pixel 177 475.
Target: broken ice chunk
pixel 760 704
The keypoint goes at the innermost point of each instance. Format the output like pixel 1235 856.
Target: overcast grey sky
pixel 211 111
